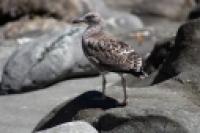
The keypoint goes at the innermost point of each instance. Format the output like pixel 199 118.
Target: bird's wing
pixel 114 54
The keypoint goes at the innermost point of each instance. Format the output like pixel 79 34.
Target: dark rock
pixel 46 60
pixel 197 1
pixel 194 13
pixel 184 55
pixel 159 54
pixel 173 9
pixel 71 127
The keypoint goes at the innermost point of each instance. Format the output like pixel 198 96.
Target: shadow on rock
pixel 107 116
pixel 68 110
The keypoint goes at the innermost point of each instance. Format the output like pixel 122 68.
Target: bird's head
pixel 90 18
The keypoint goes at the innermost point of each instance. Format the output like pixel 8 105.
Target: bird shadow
pixel 67 110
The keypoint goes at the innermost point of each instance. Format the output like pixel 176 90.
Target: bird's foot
pixel 124 103
pixel 143 76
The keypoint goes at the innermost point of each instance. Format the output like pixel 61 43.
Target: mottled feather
pixel 111 54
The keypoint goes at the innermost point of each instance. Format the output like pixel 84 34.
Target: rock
pixel 184 55
pixel 172 9
pixel 122 24
pixel 30 27
pixel 71 127
pixel 125 5
pixel 46 60
pixel 197 1
pixel 163 108
pixel 22 112
pixel 194 13
pixel 159 54
pixel 6 49
pixel 187 47
pixel 116 21
pixel 61 9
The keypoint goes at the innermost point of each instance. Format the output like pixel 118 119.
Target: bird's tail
pixel 141 74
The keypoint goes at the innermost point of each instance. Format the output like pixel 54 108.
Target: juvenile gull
pixel 107 53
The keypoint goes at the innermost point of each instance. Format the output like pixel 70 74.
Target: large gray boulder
pixel 46 60
pixel 6 50
pixel 72 127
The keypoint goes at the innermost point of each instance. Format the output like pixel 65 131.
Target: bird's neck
pixel 92 30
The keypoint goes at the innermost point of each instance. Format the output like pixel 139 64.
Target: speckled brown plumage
pixel 107 53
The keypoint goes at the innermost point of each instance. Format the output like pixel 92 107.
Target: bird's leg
pixel 123 82
pixel 103 84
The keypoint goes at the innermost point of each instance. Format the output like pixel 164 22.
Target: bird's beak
pixel 78 20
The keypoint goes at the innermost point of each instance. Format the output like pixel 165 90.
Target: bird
pixel 107 53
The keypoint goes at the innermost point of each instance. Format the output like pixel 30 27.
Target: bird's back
pixel 110 54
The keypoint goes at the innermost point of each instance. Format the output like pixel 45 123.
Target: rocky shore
pixel 48 85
